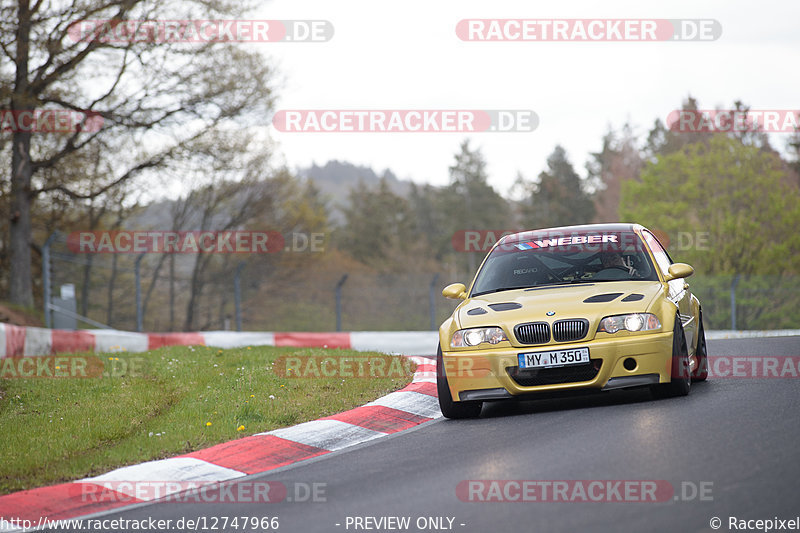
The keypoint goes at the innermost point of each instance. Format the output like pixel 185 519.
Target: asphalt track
pixel 738 438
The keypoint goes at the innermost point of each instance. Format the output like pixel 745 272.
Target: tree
pixel 155 99
pixel 469 202
pixel 663 140
pixel 740 213
pixel 428 221
pixel 618 161
pixel 736 193
pixel 558 198
pixel 377 224
pixel 793 146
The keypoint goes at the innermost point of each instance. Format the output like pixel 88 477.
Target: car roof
pixel 562 230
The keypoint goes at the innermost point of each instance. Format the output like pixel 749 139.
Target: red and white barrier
pixel 18 341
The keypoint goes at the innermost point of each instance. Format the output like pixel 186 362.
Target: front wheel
pixel 701 355
pixel 681 381
pixel 449 408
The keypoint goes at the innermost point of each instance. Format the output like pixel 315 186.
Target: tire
pixel 681 382
pixel 701 354
pixel 449 408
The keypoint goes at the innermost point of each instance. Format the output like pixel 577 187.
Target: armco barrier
pixel 17 341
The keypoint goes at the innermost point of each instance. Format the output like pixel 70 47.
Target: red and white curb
pixel 413 405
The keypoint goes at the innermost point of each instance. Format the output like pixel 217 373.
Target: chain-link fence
pixel 135 291
pixel 168 292
pixel 748 302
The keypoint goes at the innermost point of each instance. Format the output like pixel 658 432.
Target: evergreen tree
pixel 559 197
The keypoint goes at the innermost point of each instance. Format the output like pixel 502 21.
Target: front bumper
pixel 487 374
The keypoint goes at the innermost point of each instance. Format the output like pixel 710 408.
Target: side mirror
pixel 455 291
pixel 679 270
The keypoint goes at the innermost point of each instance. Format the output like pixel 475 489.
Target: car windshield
pixel 540 259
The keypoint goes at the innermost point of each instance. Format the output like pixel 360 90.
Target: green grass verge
pixel 159 404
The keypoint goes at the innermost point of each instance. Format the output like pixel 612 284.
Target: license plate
pixel 573 356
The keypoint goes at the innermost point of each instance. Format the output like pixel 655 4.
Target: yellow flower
pixel 208 424
pixel 249 348
pixel 252 395
pixel 240 428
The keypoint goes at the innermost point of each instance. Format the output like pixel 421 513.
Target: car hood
pixel 590 301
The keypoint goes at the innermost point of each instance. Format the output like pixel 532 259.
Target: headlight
pixel 475 336
pixel 632 322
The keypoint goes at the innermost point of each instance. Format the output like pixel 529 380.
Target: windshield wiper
pixel 499 289
pixel 542 286
pixel 565 282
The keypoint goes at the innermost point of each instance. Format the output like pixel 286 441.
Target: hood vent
pixel 477 311
pixel 633 297
pixel 506 306
pixel 602 298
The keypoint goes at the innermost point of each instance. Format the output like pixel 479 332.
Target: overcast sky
pixel 406 55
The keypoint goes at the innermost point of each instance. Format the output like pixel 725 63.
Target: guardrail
pixel 19 341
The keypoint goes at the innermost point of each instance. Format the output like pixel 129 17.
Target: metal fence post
pixel 733 300
pixel 46 281
pixel 339 302
pixel 139 317
pixel 432 300
pixel 237 294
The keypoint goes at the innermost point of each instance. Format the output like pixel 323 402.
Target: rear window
pixel 537 259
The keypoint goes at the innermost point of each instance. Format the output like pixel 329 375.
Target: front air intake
pixel 573 329
pixel 532 333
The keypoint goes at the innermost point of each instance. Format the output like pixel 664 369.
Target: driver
pixel 615 260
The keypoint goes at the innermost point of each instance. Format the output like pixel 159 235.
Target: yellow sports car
pixel 563 310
